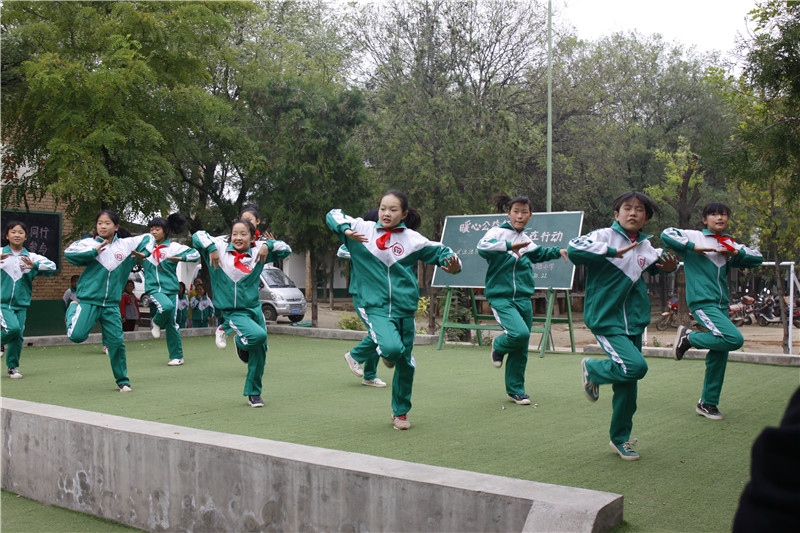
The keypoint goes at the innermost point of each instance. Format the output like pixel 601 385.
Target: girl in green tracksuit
pixel 202 308
pixel 182 306
pixel 363 359
pixel 108 258
pixel 18 267
pixel 617 307
pixel 383 255
pixel 161 282
pixel 707 268
pixel 235 272
pixel 509 287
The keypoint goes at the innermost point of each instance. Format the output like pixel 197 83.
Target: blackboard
pixel 44 232
pixel 462 233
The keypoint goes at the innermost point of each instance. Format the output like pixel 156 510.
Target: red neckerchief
pixel 726 242
pixel 237 261
pixel 384 239
pixel 158 253
pixel 633 236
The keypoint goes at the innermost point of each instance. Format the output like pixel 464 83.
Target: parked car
pixel 278 294
pixel 137 277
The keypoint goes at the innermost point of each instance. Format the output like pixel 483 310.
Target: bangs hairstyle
pixel 250 228
pixel 172 224
pixel 12 224
pixel 503 202
pixel 716 208
pixel 121 232
pixel 250 209
pixel 650 207
pixel 413 220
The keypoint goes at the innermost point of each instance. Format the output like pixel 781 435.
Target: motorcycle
pixel 765 310
pixel 669 318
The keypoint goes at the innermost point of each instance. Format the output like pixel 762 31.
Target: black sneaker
pixel 497 359
pixel 255 401
pixel 244 355
pixel 520 399
pixel 681 344
pixel 708 411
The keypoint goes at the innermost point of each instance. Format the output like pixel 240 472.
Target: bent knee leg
pixel 636 369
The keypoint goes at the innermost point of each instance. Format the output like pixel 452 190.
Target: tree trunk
pixel 311 288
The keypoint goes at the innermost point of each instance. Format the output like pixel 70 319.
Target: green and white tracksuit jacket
pixel 16 286
pixel 707 274
pixel 161 284
pixel 388 290
pixel 616 300
pixel 202 311
pixel 100 290
pixel 235 287
pixel 509 287
pixel 509 275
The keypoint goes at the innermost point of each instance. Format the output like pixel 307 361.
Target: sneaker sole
pixel 526 401
pixel 174 364
pixel 347 357
pixel 708 415
pixel 256 404
pixel 626 457
pixel 675 344
pixel 15 376
pixel 585 381
pixel 375 385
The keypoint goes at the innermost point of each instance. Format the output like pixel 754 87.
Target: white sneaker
pixel 377 382
pixel 355 368
pixel 175 362
pixel 155 331
pixel 125 387
pixel 221 339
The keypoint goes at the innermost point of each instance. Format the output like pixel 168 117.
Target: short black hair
pixel 716 208
pixel 650 207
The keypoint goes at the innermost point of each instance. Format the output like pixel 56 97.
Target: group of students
pixel 383 249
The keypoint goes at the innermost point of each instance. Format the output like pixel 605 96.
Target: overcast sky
pixel 707 24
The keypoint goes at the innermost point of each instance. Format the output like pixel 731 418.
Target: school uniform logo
pixel 641 261
pixel 397 249
pixel 119 256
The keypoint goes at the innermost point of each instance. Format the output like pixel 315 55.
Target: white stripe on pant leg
pixel 175 315
pixel 707 323
pixel 371 331
pixel 497 318
pixel 612 352
pixel 74 320
pixel 239 333
pixel 157 304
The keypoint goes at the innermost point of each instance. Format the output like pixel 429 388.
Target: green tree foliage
pixel 767 143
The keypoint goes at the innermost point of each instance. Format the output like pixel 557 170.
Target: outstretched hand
pixel 213 259
pixel 138 255
pixel 623 251
pixel 667 262
pixel 354 235
pixel 102 245
pixel 563 253
pixel 452 265
pixel 27 264
pixel 518 246
pixel 263 253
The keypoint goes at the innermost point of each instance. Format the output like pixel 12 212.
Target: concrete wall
pixel 161 477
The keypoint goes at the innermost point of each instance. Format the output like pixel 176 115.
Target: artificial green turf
pixel 689 478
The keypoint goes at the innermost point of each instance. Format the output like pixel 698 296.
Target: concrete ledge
pixel 161 477
pixel 745 357
pixel 141 335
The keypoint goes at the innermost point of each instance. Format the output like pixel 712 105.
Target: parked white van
pixel 278 294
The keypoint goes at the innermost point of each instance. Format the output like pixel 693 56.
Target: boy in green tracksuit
pixel 714 254
pixel 383 255
pixel 235 272
pixel 509 287
pixel 108 259
pixel 617 308
pixel 202 308
pixel 18 267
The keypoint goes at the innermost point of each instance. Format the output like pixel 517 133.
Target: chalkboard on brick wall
pixel 462 233
pixel 44 232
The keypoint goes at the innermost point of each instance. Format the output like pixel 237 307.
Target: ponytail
pixel 175 223
pixel 504 202
pixel 413 219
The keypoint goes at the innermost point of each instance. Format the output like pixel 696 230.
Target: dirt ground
pixel 757 339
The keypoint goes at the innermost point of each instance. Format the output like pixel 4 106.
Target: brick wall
pixel 53 287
